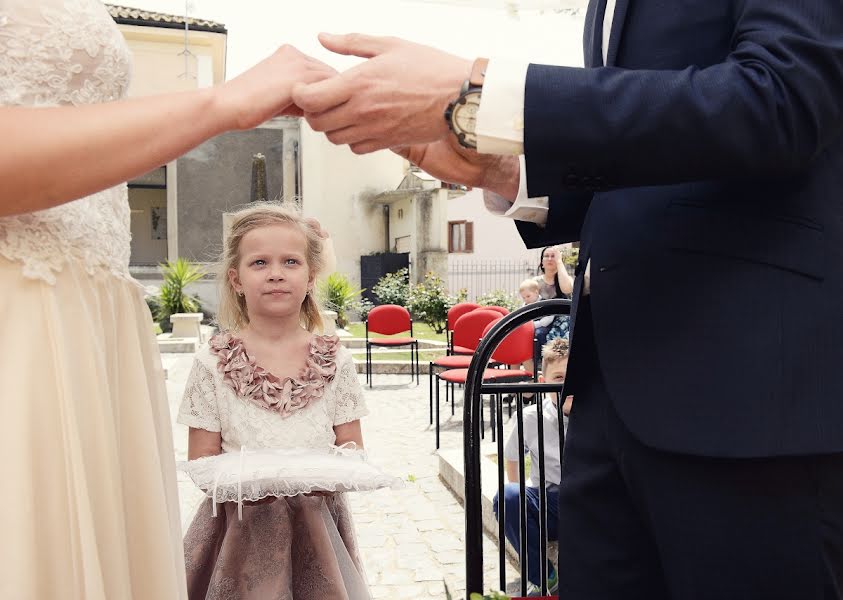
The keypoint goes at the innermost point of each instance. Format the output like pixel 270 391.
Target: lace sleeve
pixel 199 404
pixel 350 403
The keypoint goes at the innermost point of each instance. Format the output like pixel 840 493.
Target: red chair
pixel 468 330
pixel 504 311
pixel 454 313
pixel 390 319
pixel 513 350
pixel 466 341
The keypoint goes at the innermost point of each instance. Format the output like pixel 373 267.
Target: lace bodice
pixel 64 52
pixel 210 403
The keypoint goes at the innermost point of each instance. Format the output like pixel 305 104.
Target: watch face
pixel 464 118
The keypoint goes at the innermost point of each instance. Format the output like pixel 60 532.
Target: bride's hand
pixel 265 90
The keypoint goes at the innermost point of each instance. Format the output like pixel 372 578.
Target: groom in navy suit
pixel 698 158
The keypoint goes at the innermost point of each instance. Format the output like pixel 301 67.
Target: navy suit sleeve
pixel 565 216
pixel 770 107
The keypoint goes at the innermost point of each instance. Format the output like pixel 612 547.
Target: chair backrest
pixel 388 319
pixel 469 328
pixel 458 310
pixel 500 309
pixel 515 347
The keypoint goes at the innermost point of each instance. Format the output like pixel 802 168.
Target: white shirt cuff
pixel 524 208
pixel 500 118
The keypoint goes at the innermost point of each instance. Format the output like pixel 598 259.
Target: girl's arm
pixel 203 443
pixel 55 155
pixel 349 432
pixel 566 282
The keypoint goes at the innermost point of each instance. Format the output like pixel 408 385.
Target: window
pixel 460 236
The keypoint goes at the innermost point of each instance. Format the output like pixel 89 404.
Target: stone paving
pixel 412 540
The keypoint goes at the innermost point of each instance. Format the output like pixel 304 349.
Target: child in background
pixel 554 368
pixel 529 291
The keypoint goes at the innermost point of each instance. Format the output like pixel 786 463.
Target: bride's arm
pixel 54 155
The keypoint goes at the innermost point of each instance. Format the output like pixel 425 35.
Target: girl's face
pixel 273 274
pixel 549 258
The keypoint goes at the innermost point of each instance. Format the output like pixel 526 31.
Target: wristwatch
pixel 461 114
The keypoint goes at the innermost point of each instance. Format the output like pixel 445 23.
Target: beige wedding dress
pixel 88 475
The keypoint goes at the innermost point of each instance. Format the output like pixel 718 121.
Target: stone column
pixel 432 233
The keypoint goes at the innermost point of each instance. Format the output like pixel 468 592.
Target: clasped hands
pixel 394 100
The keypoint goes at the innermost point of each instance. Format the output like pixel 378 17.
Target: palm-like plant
pixel 174 297
pixel 337 294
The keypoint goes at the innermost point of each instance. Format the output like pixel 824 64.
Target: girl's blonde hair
pixel 232 313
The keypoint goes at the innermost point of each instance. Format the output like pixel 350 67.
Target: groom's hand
pixel 446 160
pixel 397 97
pixel 265 90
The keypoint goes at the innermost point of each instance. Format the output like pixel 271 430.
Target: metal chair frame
pixel 472 429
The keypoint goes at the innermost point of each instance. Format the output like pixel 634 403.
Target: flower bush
pixel 394 288
pixel 498 298
pixel 429 302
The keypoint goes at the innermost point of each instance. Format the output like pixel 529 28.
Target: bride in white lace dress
pixel 88 467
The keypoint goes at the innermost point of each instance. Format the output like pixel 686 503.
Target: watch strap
pixel 478 72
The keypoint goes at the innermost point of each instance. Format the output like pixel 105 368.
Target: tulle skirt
pixel 88 468
pixel 290 548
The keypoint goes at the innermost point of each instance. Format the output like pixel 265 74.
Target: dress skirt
pixel 88 473
pixel 290 548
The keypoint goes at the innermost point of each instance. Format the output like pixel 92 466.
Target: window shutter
pixel 469 236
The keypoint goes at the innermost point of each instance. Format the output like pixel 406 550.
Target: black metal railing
pixel 472 426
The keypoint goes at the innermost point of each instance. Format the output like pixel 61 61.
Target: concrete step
pixel 355 342
pixel 452 474
pixel 390 367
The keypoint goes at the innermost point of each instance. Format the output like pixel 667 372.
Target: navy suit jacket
pixel 702 171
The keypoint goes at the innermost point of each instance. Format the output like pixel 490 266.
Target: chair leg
pixel 492 400
pixel 370 366
pixel 437 410
pixel 414 353
pixel 482 419
pixel 430 389
pixel 418 368
pixel 453 394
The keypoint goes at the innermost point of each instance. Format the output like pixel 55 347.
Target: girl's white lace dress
pixel 290 548
pixel 88 467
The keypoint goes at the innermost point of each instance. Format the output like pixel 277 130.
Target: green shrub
pixel 498 298
pixel 336 293
pixel 394 288
pixel 362 307
pixel 570 256
pixel 429 302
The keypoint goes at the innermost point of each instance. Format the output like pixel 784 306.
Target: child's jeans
pixel 512 528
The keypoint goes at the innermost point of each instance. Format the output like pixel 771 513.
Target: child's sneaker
pixel 552 585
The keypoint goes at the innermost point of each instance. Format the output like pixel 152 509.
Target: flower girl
pixel 269 381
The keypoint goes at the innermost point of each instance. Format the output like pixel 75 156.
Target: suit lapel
pixel 617 28
pixel 593 33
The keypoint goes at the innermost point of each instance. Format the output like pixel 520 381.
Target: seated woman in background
pixel 554 282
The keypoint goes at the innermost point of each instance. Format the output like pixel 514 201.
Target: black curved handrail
pixel 474 390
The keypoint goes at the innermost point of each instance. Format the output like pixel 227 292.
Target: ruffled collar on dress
pixel 257 385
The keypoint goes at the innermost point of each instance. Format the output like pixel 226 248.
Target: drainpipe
pixel 385 208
